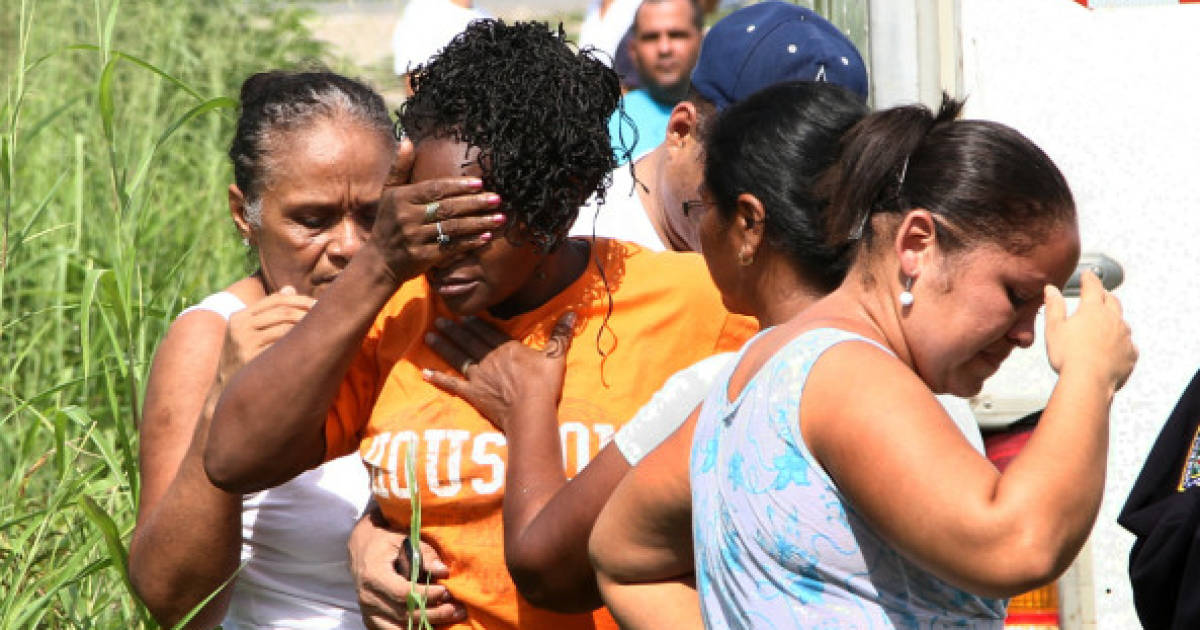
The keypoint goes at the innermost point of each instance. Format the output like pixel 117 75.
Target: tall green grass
pixel 113 128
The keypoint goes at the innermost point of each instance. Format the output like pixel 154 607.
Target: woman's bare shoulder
pixel 249 290
pixel 186 359
pixel 857 374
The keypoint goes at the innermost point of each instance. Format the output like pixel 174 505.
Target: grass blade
pixel 19 239
pixel 416 602
pixel 117 554
pixel 86 299
pixel 60 443
pixel 145 64
pixel 104 96
pixel 195 611
pixel 207 106
pixel 51 117
pixel 109 23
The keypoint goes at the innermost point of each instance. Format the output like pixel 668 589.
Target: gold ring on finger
pixel 431 211
pixel 443 239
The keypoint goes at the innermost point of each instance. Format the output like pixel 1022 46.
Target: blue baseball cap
pixel 771 42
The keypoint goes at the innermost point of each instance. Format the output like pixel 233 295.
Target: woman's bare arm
pixel 944 506
pixel 546 531
pixel 641 546
pixel 188 534
pixel 671 603
pixel 269 425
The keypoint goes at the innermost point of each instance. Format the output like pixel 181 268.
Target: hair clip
pixel 857 233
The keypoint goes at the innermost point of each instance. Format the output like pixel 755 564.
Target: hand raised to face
pixel 1096 337
pixel 422 224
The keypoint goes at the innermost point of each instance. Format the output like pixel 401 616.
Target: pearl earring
pixel 906 296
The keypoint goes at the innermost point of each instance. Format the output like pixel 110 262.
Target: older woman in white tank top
pixel 310 156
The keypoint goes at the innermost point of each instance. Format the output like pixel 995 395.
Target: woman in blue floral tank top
pixel 827 488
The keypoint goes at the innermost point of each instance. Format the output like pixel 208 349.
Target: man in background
pixel 748 50
pixel 664 43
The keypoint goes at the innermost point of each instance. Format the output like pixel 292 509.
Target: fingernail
pixel 427 373
pixel 492 199
pixel 430 338
pixel 441 322
pixel 571 318
pixel 499 218
pixel 437 565
pixel 485 237
pixel 475 183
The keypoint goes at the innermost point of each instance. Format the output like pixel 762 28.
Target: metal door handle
pixel 1110 272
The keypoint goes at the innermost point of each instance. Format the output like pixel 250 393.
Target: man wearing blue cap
pixel 748 50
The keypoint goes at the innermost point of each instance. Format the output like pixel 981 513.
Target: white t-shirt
pixel 622 217
pixel 424 30
pixel 670 407
pixel 297 572
pixel 605 33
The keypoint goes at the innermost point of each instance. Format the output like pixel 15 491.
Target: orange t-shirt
pixel 666 315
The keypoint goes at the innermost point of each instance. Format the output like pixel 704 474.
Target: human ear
pixel 749 219
pixel 916 241
pixel 681 124
pixel 237 210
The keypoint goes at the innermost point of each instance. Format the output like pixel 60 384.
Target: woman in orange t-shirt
pixel 514 110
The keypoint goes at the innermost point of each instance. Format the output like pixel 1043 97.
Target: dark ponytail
pixel 983 180
pixel 774 145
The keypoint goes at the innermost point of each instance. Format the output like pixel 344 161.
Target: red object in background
pixel 1085 2
pixel 1037 609
pixel 1003 446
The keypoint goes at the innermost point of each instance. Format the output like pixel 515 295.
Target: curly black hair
pixel 536 109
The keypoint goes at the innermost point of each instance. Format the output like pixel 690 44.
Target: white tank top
pixel 297 573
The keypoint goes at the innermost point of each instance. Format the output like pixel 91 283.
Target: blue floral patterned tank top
pixel 777 545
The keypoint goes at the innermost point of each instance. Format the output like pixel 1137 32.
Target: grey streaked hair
pixel 277 102
pixel 252 209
